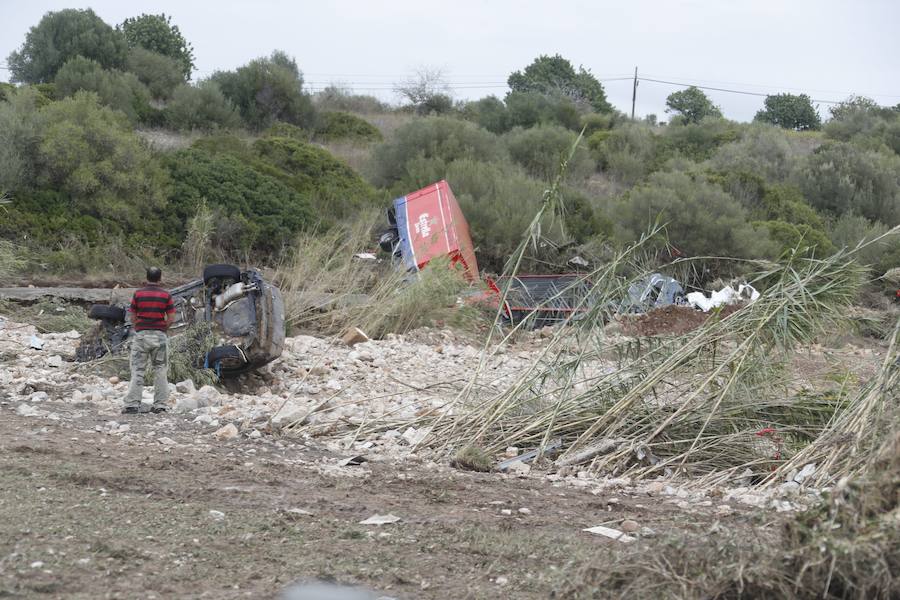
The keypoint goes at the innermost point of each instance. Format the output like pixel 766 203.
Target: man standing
pixel 152 311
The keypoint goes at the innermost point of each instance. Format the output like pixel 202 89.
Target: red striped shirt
pixel 149 307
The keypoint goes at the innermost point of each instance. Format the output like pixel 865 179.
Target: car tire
pixel 105 312
pixel 227 353
pixel 221 272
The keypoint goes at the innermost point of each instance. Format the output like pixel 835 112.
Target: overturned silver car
pixel 244 313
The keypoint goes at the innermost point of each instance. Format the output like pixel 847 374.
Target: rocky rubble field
pixel 321 391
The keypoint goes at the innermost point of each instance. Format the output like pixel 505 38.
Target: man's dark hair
pixel 154 274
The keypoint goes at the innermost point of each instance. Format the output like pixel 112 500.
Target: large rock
pixel 354 336
pixel 185 387
pixel 186 404
pixel 228 432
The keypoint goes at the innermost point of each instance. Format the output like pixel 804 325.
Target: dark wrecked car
pixel 245 315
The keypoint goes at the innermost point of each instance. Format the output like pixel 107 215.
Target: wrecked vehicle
pixel 245 314
pixel 653 291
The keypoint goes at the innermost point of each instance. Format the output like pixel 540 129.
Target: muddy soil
pixel 85 513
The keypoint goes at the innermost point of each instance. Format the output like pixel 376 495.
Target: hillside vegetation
pixel 270 162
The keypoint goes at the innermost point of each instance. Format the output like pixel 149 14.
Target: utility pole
pixel 634 93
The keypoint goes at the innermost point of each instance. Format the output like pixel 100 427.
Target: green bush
pixel 527 109
pixel 490 113
pixel 594 123
pixel 628 153
pixel 849 230
pixel 797 236
pixel 786 203
pixel 267 90
pixel 700 218
pixel 540 151
pixel 335 190
pixel 118 90
pixel 763 150
pixel 89 153
pixel 254 212
pixel 336 98
pixel 61 36
pixel 439 138
pixel 159 73
pixel 202 107
pixel 698 141
pixel 839 177
pixel 18 139
pixel 333 125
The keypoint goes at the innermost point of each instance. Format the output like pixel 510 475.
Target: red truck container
pixel 430 224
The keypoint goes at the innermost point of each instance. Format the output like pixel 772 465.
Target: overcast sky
pixel 826 48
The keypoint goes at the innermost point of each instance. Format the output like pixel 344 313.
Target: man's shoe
pixel 130 410
pixel 158 408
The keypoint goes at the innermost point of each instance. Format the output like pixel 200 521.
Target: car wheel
pixel 221 272
pixel 106 312
pixel 225 356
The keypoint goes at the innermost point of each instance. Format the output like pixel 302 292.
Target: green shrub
pixel 18 139
pixel 336 190
pixel 839 177
pixel 849 230
pixel 336 98
pixel 490 113
pixel 90 154
pixel 440 138
pixel 540 151
pixel 594 123
pixel 627 154
pixel 253 211
pixel 698 141
pixel 791 236
pixel 118 90
pixel 202 107
pixel 786 203
pixel 527 109
pixel 700 218
pixel 763 150
pixel 267 90
pixel 159 73
pixel 333 125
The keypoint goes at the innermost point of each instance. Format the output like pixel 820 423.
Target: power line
pixel 770 86
pixel 718 89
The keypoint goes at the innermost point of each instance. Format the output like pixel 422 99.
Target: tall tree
pixel 692 104
pixel 156 33
pixel 61 36
pixel 790 111
pixel 556 75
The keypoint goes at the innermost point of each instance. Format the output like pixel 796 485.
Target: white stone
pixel 185 387
pixel 38 397
pixel 217 515
pixel 255 434
pixel 55 361
pixel 524 511
pixel 186 404
pixel 26 410
pixel 166 441
pixel 114 380
pixel 228 432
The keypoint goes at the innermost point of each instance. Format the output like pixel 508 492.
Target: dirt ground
pixel 87 514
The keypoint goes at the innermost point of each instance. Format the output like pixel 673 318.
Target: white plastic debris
pixel 611 533
pixel 36 343
pixel 217 515
pixel 727 295
pixel 380 520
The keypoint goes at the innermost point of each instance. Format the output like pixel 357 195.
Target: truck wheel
pixel 221 272
pixel 107 313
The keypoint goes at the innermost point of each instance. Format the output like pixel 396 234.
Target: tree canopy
pixel 692 104
pixel 790 111
pixel 267 90
pixel 556 75
pixel 156 33
pixel 61 36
